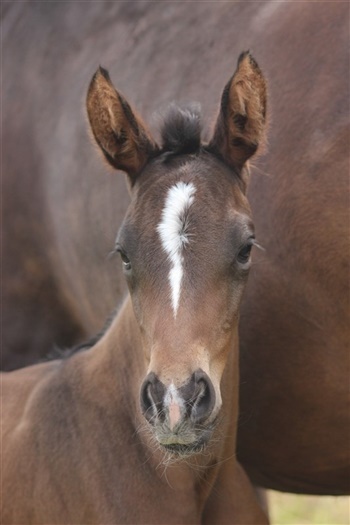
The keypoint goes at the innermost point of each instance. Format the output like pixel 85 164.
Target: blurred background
pixel 292 509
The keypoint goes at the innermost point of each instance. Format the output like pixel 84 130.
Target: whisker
pixel 255 167
pixel 257 245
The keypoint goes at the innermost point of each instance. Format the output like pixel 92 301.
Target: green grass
pixel 291 509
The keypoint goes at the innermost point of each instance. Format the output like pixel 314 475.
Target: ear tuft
pixel 181 129
pixel 241 124
pixel 102 71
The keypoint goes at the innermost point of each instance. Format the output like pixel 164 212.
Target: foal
pixel 140 428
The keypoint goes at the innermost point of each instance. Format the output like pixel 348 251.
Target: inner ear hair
pixel 119 132
pixel 241 125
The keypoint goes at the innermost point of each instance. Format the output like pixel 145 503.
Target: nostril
pixel 203 395
pixel 146 401
pixel 203 400
pixel 151 398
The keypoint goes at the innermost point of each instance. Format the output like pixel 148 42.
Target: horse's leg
pixel 233 500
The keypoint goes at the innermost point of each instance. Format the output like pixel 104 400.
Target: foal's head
pixel 185 244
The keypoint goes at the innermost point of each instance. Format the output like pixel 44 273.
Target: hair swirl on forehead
pixel 181 129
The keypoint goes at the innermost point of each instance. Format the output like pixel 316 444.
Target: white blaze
pixel 172 231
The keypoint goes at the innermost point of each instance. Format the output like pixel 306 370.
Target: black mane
pixel 64 353
pixel 181 129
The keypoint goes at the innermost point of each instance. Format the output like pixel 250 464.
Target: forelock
pixel 181 129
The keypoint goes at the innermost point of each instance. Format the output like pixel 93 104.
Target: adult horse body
pixel 294 427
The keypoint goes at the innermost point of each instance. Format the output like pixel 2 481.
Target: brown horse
pixel 294 429
pixel 75 446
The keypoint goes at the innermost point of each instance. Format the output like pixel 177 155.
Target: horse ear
pixel 241 124
pixel 120 134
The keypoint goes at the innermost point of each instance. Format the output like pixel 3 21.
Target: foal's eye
pixel 125 260
pixel 243 256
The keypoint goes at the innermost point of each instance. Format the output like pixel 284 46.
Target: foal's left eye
pixel 244 253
